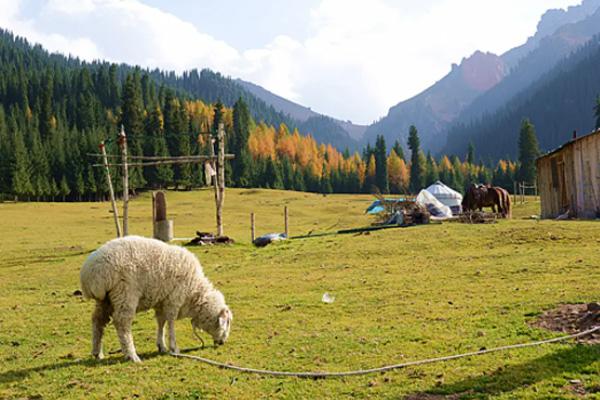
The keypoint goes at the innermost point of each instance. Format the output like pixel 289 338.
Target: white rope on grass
pixel 387 367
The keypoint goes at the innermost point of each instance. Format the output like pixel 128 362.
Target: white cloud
pixel 359 59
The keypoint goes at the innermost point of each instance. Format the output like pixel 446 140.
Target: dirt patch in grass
pixel 572 318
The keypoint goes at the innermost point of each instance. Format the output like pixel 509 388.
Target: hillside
pixel 558 103
pixel 325 129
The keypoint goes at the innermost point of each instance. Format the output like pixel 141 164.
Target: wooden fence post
pixel 252 230
pixel 285 216
pixel 221 177
pixel 111 191
pixel 123 146
pixel 162 227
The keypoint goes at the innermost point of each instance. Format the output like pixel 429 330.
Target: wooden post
pixel 252 230
pixel 211 151
pixel 123 146
pixel 220 177
pixel 515 192
pixel 111 191
pixel 162 227
pixel 285 216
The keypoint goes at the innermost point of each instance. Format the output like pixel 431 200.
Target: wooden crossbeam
pixel 160 158
pixel 187 160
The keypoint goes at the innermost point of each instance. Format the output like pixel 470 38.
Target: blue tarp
pixel 376 207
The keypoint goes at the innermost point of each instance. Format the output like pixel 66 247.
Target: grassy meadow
pixel 400 295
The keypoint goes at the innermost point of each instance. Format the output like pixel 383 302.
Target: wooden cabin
pixel 569 179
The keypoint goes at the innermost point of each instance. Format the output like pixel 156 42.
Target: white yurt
pixel 446 196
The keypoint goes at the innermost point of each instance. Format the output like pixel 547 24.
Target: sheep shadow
pixel 20 374
pixel 574 361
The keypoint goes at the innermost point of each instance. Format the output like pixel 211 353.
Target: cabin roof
pixel 569 143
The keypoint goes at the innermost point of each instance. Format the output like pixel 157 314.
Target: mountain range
pixel 478 87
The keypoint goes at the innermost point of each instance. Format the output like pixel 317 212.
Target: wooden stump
pixel 163 228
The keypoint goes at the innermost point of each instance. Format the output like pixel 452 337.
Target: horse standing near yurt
pixel 479 196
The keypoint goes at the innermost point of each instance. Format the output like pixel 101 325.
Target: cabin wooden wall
pixel 569 179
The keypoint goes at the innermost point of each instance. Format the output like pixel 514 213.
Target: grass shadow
pixel 572 361
pixel 19 374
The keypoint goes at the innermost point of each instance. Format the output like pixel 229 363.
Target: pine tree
pixel 160 175
pixel 458 178
pixel 46 114
pixel 63 188
pixel 242 163
pixel 20 168
pixel 399 150
pixel 40 168
pixel 325 186
pixel 274 180
pixel 132 119
pixel 471 153
pixel 528 152
pixel 432 174
pixel 299 184
pixel 417 175
pixel 381 175
pixel 86 101
pixel 5 152
pixel 287 173
pixel 183 172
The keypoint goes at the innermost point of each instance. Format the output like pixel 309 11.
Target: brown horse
pixel 506 203
pixel 479 196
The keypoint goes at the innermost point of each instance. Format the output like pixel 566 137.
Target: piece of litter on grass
pixel 327 298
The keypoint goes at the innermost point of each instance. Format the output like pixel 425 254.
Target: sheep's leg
pixel 160 333
pixel 100 319
pixel 122 320
pixel 172 342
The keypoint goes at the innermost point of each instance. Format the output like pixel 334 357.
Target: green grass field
pixel 401 294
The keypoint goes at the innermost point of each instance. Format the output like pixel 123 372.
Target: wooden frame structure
pixel 217 161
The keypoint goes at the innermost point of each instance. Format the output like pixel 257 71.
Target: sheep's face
pixel 218 325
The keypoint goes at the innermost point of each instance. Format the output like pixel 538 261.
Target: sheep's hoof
pixel 175 350
pixel 99 356
pixel 135 358
pixel 162 348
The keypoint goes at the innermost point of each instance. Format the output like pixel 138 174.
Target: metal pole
pixel 123 145
pixel 221 176
pixel 111 191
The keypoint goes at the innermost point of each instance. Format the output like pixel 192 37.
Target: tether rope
pixel 387 367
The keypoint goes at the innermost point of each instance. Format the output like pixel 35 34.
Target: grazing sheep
pixel 134 274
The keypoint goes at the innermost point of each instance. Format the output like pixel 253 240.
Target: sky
pixel 350 59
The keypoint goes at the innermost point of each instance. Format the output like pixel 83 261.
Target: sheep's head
pixel 214 317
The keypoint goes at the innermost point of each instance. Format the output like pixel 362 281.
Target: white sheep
pixel 134 274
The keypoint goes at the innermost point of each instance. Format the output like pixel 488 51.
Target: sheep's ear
pixel 224 317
